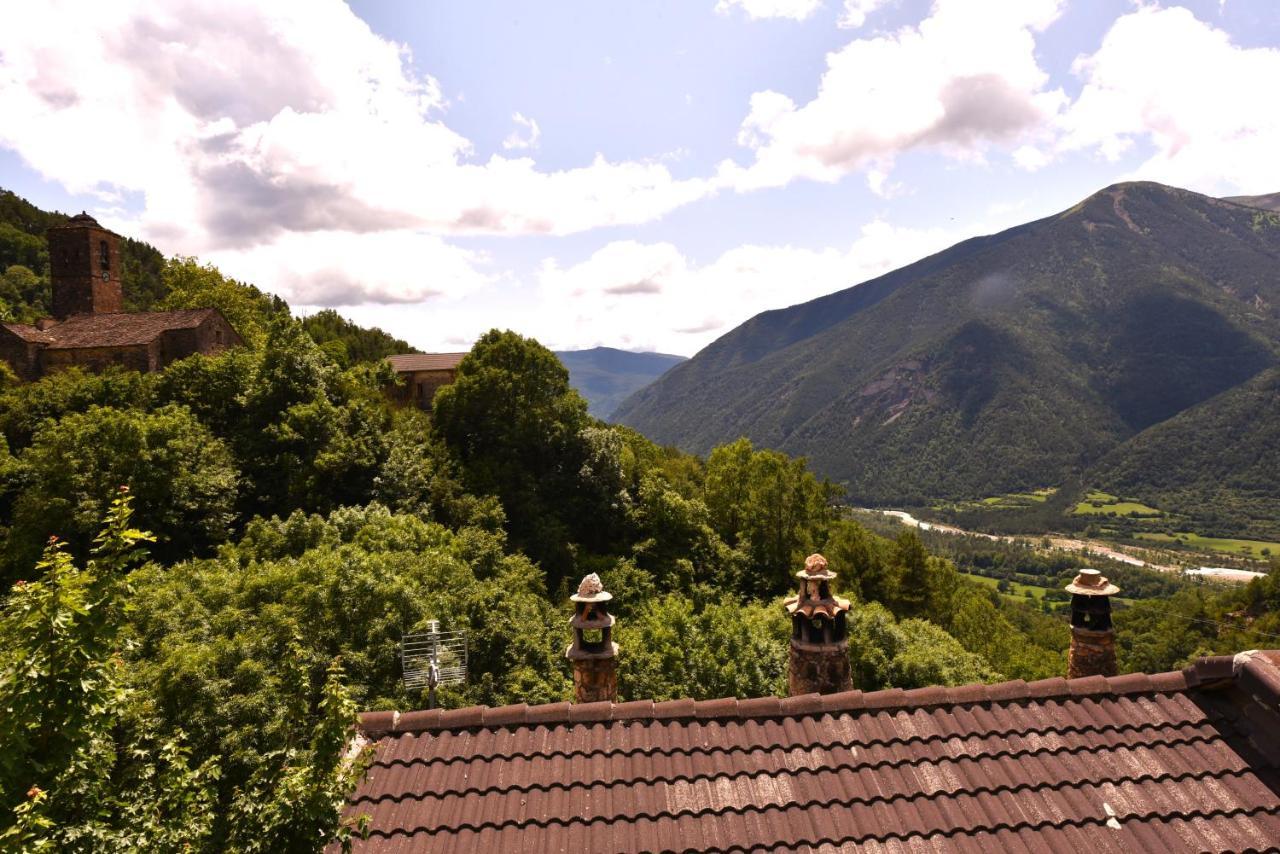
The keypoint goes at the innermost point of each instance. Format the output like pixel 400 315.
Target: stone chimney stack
pixel 1093 638
pixel 593 652
pixel 819 633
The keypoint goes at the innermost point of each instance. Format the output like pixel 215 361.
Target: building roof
pixel 121 329
pixel 1175 761
pixel 28 333
pixel 408 363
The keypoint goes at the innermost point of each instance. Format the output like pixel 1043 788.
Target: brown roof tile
pixel 1126 764
pixel 28 333
pixel 410 362
pixel 121 329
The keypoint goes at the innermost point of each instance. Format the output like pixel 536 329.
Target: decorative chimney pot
pixel 819 661
pixel 1093 637
pixel 593 652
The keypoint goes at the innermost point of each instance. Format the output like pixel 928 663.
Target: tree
pixel 771 507
pixel 517 427
pixel 886 653
pixel 673 646
pixel 183 480
pixel 189 284
pixel 79 771
pixel 313 436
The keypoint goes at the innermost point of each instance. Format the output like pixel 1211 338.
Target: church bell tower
pixel 84 266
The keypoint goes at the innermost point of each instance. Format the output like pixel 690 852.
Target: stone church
pixel 89 326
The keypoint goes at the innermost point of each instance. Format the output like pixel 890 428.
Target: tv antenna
pixel 433 658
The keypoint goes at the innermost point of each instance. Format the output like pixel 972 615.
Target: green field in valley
pixel 1249 548
pixel 1105 504
pixel 1017 590
pixel 1006 501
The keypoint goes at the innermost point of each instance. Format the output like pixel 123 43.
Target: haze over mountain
pixel 1006 362
pixel 606 376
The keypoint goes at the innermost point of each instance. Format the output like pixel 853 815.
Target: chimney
pixel 593 652
pixel 819 633
pixel 1093 638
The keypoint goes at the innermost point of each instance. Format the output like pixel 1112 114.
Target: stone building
pixel 89 327
pixel 422 375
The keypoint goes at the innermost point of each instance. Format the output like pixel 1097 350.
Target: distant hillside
pixel 1004 363
pixel 1269 202
pixel 606 377
pixel 25 296
pixel 1218 462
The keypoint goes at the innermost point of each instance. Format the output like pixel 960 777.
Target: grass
pixel 1248 548
pixel 1017 590
pixel 1007 501
pixel 1105 504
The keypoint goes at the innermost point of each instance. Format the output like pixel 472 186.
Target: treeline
pixel 198 696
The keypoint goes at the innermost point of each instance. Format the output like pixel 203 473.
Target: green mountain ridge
pixel 1215 462
pixel 606 376
pixel 1003 363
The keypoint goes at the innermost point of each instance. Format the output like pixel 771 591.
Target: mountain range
pixel 606 377
pixel 1127 342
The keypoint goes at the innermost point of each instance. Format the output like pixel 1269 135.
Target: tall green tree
pixel 183 480
pixel 519 430
pixel 771 507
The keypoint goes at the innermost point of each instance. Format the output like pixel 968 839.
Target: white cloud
pixel 855 12
pixel 531 133
pixel 796 10
pixel 337 268
pixel 1165 80
pixel 966 78
pixel 652 297
pixel 246 125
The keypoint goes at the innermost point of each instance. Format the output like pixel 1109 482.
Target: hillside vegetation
pixel 1005 363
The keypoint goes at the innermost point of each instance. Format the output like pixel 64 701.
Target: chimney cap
pixel 815 566
pixel 1091 582
pixel 591 590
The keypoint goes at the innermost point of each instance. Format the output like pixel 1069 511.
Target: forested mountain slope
pixel 606 376
pixel 1003 363
pixel 1270 201
pixel 1216 462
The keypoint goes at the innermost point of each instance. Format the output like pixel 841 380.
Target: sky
pixel 644 175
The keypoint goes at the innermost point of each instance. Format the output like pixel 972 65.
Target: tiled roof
pixel 410 362
pixel 121 329
pixel 28 333
pixel 1182 761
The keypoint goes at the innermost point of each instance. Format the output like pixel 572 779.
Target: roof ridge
pixel 526 822
pixel 1219 722
pixel 1210 672
pixel 1072 750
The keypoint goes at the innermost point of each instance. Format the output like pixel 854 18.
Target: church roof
pixel 408 363
pixel 1188 760
pixel 122 329
pixel 28 333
